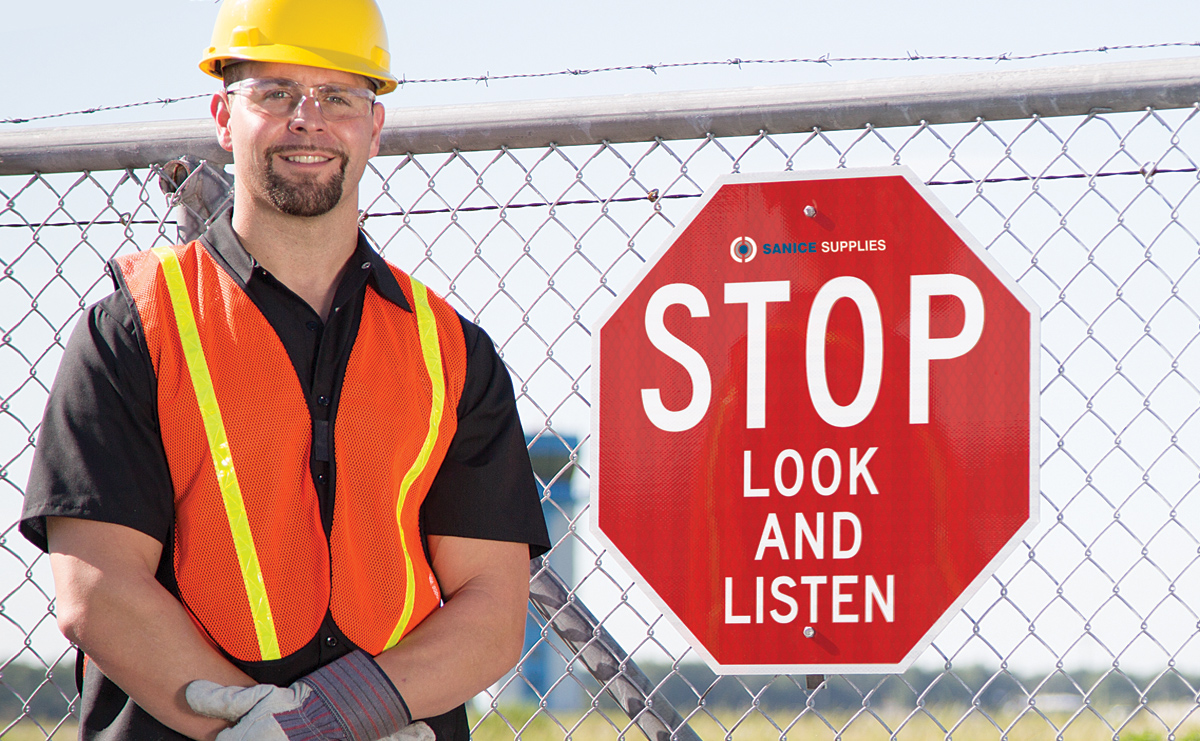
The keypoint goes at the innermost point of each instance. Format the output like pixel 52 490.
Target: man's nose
pixel 307 116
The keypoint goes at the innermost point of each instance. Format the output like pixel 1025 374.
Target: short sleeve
pixel 485 487
pixel 99 453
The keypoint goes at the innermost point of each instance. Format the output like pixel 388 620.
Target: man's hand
pixel 349 699
pixel 253 709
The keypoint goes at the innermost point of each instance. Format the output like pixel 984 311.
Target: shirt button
pixel 331 641
pixel 312 326
pixel 323 400
pixel 366 266
pixel 321 477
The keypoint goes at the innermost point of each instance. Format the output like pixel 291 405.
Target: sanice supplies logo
pixel 743 249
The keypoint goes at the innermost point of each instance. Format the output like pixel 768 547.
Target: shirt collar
pixel 382 277
pixel 223 243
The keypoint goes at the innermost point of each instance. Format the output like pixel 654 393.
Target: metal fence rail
pixel 1080 181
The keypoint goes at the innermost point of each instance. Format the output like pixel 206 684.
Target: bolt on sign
pixel 816 422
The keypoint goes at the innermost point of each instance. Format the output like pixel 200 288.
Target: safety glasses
pixel 281 98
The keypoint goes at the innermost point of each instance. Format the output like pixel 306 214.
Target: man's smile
pixel 306 158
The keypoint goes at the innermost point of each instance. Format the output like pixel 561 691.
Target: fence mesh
pixel 1092 630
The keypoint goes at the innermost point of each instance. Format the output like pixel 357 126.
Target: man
pixel 283 487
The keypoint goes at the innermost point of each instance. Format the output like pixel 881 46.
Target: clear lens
pixel 280 98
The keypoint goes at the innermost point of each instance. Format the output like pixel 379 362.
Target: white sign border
pixel 986 573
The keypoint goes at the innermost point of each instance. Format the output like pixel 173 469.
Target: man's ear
pixel 219 106
pixel 377 114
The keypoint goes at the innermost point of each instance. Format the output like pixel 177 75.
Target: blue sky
pixel 75 54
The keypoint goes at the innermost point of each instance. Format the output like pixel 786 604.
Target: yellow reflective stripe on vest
pixel 218 444
pixel 431 351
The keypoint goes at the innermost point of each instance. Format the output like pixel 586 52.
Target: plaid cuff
pixel 312 721
pixel 363 701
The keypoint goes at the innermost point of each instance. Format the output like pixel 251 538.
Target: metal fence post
pixel 198 194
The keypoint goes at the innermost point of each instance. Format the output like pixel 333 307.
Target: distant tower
pixel 551 458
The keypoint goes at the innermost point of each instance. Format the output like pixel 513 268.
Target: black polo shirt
pixel 100 454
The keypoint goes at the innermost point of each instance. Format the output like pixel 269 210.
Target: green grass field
pixel 27 730
pixel 975 727
pixel 864 727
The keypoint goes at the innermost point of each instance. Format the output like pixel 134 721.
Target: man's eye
pixel 339 100
pixel 278 93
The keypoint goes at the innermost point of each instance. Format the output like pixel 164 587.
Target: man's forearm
pixel 472 640
pixel 131 628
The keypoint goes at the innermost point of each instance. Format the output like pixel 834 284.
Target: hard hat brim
pixel 213 62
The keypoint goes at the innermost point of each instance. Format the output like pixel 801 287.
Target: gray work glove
pixel 349 699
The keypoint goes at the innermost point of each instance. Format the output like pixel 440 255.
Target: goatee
pixel 307 196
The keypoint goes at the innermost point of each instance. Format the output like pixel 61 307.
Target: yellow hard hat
pixel 347 35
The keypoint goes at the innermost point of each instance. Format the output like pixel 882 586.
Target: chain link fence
pixel 1092 630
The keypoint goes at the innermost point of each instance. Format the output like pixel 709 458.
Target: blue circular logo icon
pixel 743 249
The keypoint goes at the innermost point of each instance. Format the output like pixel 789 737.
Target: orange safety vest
pixel 253 564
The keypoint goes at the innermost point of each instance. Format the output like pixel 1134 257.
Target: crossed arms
pixel 111 606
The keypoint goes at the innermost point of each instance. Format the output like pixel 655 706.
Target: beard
pixel 308 196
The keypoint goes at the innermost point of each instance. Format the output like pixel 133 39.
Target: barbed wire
pixel 653 196
pixel 738 62
pixel 825 59
pixel 99 109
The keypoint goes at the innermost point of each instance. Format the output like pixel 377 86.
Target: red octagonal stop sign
pixel 816 420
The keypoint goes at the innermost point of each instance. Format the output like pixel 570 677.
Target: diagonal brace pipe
pixel 603 656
